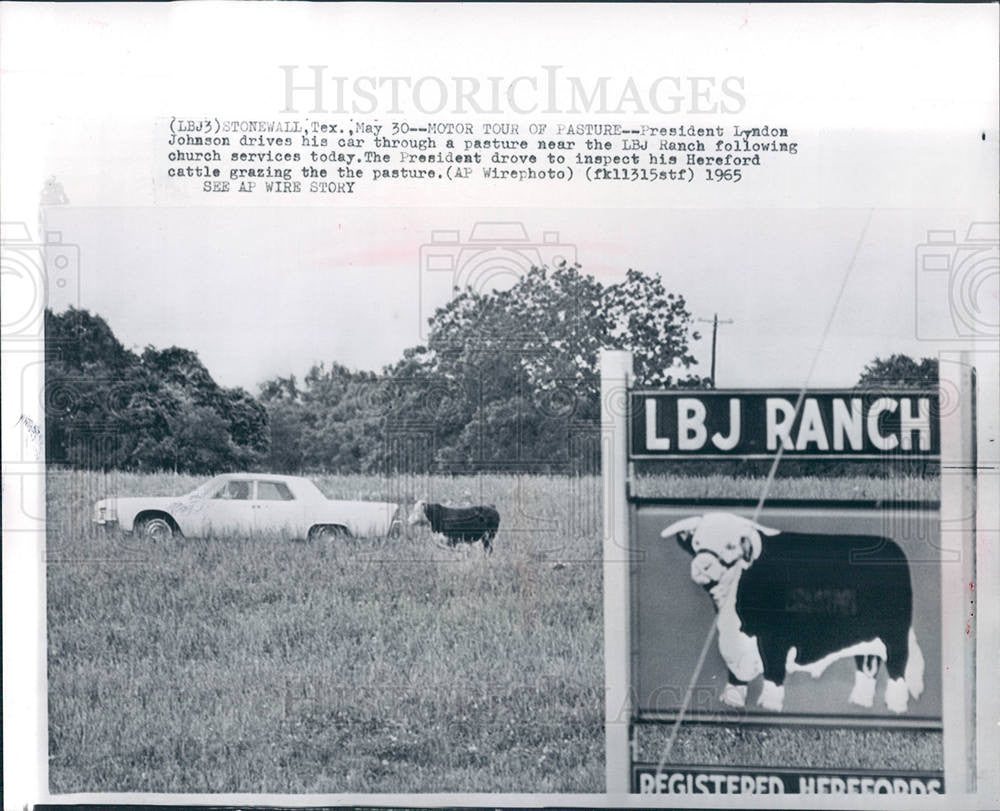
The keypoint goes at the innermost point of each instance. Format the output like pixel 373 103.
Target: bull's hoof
pixel 772 697
pixel 734 695
pixel 896 695
pixel 913 675
pixel 863 693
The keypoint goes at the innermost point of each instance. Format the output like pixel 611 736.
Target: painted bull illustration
pixel 790 601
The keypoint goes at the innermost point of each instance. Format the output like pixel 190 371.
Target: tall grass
pixel 261 664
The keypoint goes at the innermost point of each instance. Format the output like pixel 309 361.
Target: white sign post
pixel 958 577
pixel 616 373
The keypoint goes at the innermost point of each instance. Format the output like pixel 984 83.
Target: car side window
pixel 238 490
pixel 273 491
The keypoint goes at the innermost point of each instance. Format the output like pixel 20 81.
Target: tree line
pixel 108 407
pixel 507 380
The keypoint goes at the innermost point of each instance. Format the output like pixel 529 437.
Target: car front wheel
pixel 156 528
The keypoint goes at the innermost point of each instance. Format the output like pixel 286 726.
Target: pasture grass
pixel 878 749
pixel 263 664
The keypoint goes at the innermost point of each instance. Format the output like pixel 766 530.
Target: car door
pixel 276 510
pixel 229 510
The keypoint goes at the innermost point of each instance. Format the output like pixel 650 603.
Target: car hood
pixel 123 509
pixel 126 503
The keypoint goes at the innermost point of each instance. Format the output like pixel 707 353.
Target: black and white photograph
pixel 501 424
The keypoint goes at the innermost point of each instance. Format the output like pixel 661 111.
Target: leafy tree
pixel 555 322
pixel 246 421
pixel 900 371
pixel 512 378
pixel 334 420
pixel 180 369
pixel 286 418
pixel 107 406
pixel 200 440
pixel 76 338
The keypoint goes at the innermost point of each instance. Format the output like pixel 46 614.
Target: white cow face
pixel 417 514
pixel 718 542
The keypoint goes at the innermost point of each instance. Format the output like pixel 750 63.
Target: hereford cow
pixel 459 524
pixel 791 601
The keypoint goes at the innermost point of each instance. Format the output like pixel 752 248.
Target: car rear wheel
pixel 155 528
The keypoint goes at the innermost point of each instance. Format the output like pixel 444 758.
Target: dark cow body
pixel 821 594
pixel 464 524
pixel 790 601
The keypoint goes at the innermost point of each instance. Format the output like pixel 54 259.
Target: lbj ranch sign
pixel 821 613
pixel 855 425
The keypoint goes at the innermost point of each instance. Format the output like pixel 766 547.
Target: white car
pixel 247 504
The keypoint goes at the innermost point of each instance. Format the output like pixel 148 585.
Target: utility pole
pixel 715 330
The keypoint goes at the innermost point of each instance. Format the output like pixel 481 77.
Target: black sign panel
pixel 748 780
pixel 844 424
pixel 862 572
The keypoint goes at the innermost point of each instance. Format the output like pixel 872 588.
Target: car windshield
pixel 208 488
pixel 236 489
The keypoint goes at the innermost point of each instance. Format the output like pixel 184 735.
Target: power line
pixel 715 331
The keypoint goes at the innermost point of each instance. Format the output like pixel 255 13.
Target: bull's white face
pixel 417 514
pixel 719 542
